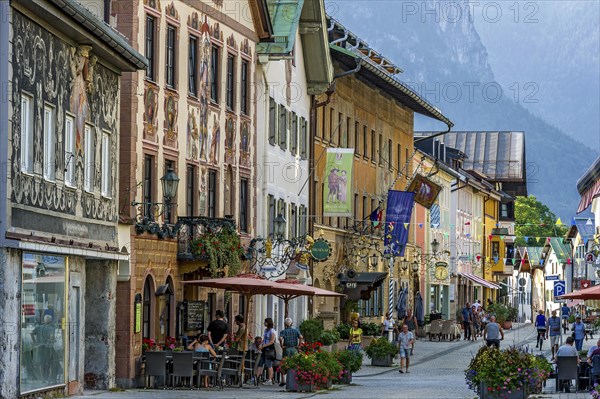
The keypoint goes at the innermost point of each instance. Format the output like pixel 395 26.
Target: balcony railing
pixel 194 227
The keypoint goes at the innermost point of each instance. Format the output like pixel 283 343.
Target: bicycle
pixel 541 334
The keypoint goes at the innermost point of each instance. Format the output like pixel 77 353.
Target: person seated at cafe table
pixel 567 350
pixel 201 345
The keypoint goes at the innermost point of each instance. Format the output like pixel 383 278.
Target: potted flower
pixel 512 373
pixel 501 312
pixel 148 344
pixel 311 330
pixel 381 352
pixel 310 371
pixel 222 248
pixel 170 343
pixel 351 362
pixel 328 338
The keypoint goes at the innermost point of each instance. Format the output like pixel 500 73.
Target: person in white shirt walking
pixel 405 340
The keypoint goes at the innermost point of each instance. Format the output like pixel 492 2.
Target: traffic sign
pixel 559 288
pixel 552 278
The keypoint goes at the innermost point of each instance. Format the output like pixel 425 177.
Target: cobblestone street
pixel 437 372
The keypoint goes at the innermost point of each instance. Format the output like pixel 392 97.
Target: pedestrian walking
pixel 356 333
pixel 411 321
pixel 579 333
pixel 565 312
pixel 553 325
pixel 465 315
pixel 493 333
pixel 405 341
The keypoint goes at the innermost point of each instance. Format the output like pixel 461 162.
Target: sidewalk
pixel 426 350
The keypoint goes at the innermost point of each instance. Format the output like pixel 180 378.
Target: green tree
pixel 534 219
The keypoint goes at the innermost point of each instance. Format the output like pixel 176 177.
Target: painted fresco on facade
pixel 204 88
pixel 150 111
pixel 69 80
pixel 230 138
pixel 192 135
pixel 215 141
pixel 171 121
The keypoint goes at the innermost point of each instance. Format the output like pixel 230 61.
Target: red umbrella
pixel 587 293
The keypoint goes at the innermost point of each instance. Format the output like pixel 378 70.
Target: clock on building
pixel 441 272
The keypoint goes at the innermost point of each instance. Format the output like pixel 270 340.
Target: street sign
pixel 552 278
pixel 559 288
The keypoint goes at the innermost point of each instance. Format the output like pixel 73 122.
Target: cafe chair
pixel 207 367
pixel 566 369
pixel 595 371
pixel 230 370
pixel 183 366
pixel 156 366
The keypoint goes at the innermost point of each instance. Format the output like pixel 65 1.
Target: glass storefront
pixel 43 321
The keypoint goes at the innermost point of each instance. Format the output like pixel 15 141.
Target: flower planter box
pixel 367 340
pixel 346 378
pixel 291 383
pixel 382 361
pixel 514 394
pixel 327 348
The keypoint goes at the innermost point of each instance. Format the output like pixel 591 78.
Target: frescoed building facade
pixel 193 112
pixel 59 199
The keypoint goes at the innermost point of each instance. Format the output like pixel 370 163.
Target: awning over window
pixel 373 279
pixel 479 281
pixel 588 196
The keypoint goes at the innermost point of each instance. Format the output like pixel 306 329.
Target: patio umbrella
pixel 247 285
pixel 419 311
pixel 587 293
pixel 401 307
pixel 296 289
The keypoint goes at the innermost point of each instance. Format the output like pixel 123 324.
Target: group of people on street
pixel 271 347
pixel 474 318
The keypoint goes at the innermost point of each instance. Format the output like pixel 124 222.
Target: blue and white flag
pixel 397 215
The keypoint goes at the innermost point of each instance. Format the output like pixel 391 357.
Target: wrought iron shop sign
pixel 321 250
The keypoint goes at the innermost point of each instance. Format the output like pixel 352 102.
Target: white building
pixel 290 71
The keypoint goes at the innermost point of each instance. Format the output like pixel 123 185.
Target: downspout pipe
pixel 433 135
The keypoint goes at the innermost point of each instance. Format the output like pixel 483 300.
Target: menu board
pixel 194 315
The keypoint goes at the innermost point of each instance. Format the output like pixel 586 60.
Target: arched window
pixel 147 307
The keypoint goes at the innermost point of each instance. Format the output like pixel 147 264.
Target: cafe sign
pixel 320 250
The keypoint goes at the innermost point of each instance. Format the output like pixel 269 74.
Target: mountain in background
pixel 445 61
pixel 557 55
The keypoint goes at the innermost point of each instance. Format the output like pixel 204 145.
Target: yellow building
pixel 372 113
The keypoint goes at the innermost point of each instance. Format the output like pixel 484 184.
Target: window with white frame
pixel 106 169
pixel 88 174
pixel 26 133
pixel 49 154
pixel 69 151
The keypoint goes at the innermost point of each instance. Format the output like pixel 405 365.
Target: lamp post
pixel 145 221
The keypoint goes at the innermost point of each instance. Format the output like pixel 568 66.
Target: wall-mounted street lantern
pixel 145 220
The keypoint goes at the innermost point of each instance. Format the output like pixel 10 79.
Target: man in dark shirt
pixel 217 330
pixel 466 311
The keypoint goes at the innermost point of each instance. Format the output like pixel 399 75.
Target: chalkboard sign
pixel 194 315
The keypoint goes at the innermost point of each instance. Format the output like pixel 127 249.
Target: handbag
pixel 269 352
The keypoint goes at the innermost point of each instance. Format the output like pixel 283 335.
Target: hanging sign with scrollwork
pixel 320 250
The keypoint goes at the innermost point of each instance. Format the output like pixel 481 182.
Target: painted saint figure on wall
pixel 204 88
pixel 81 72
pixel 215 141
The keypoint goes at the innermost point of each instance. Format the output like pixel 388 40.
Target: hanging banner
pixel 397 215
pixel 337 192
pixel 425 190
